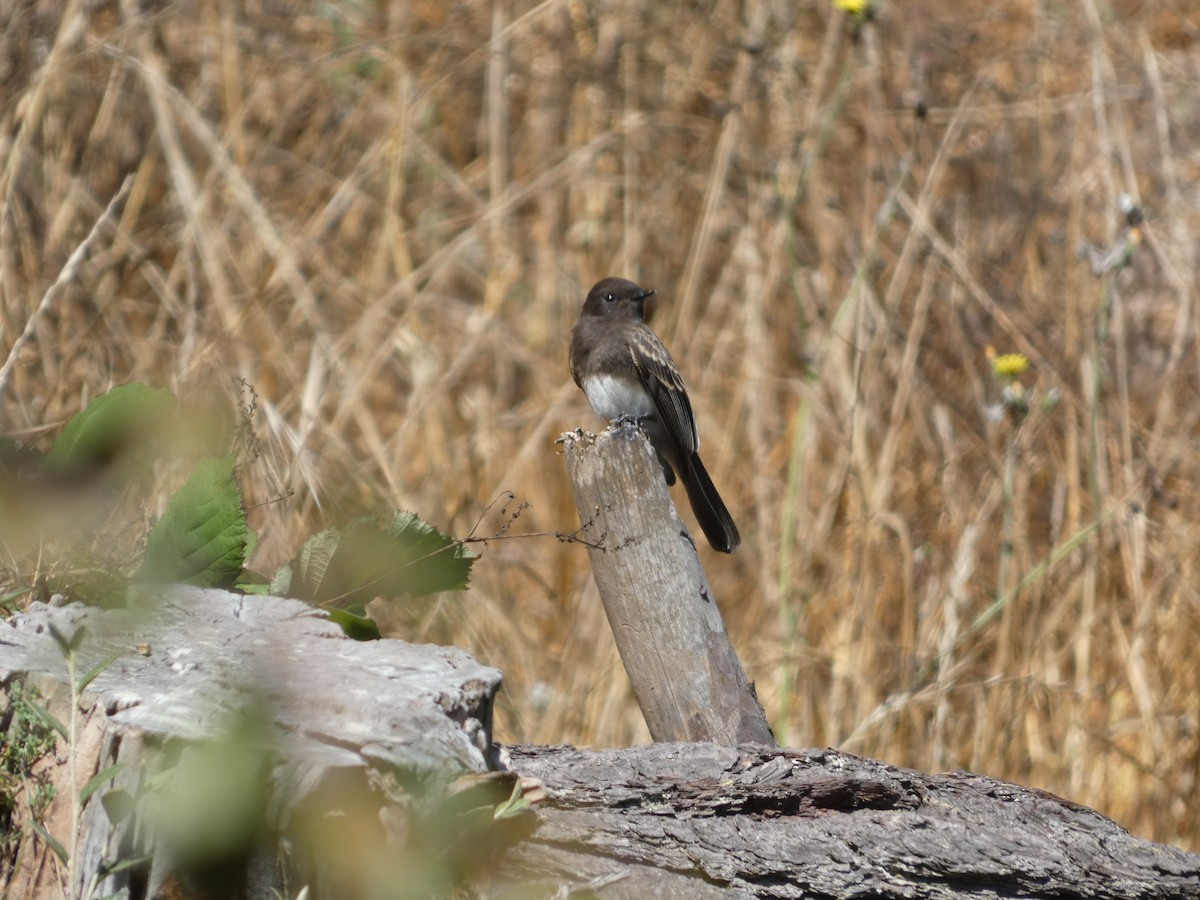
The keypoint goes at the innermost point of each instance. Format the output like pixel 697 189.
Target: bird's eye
pixel 610 298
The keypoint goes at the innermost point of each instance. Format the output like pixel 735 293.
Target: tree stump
pixel 259 679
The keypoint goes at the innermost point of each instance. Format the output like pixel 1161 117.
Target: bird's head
pixel 616 296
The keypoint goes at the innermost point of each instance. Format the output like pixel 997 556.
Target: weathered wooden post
pixel 685 674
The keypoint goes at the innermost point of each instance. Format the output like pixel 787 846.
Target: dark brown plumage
pixel 625 370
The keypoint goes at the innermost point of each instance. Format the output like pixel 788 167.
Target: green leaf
pixel 313 562
pixel 50 840
pixel 48 719
pixel 252 582
pixel 96 670
pixel 212 806
pixel 514 806
pixel 349 567
pixel 281 582
pixel 360 628
pixel 121 865
pixel 99 780
pixel 441 562
pixel 118 805
pixel 89 577
pixel 68 645
pixel 201 538
pixel 8 600
pixel 115 433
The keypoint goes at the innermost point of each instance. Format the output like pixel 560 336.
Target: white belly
pixel 612 397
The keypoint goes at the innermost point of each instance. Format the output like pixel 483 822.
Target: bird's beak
pixel 643 293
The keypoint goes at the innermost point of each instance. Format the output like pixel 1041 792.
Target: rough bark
pixel 685 674
pixel 699 820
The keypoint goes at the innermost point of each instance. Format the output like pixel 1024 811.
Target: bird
pixel 624 369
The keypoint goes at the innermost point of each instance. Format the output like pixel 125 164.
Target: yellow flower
pixel 1010 365
pixel 854 7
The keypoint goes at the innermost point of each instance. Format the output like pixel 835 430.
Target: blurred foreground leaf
pixel 348 567
pixel 116 434
pixel 209 808
pixel 17 458
pixel 90 578
pixel 202 538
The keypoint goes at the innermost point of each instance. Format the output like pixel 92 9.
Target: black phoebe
pixel 625 370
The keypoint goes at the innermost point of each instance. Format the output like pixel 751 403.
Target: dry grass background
pixel 384 217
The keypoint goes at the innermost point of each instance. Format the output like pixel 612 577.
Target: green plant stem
pixel 72 764
pixel 1007 526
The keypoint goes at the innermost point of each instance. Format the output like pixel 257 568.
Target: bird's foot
pixel 626 420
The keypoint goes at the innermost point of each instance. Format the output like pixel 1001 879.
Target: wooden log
pixel 699 820
pixel 685 674
pixel 287 704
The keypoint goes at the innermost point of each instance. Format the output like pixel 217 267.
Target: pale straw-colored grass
pixel 384 218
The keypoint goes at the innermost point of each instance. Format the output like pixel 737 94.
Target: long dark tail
pixel 714 518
